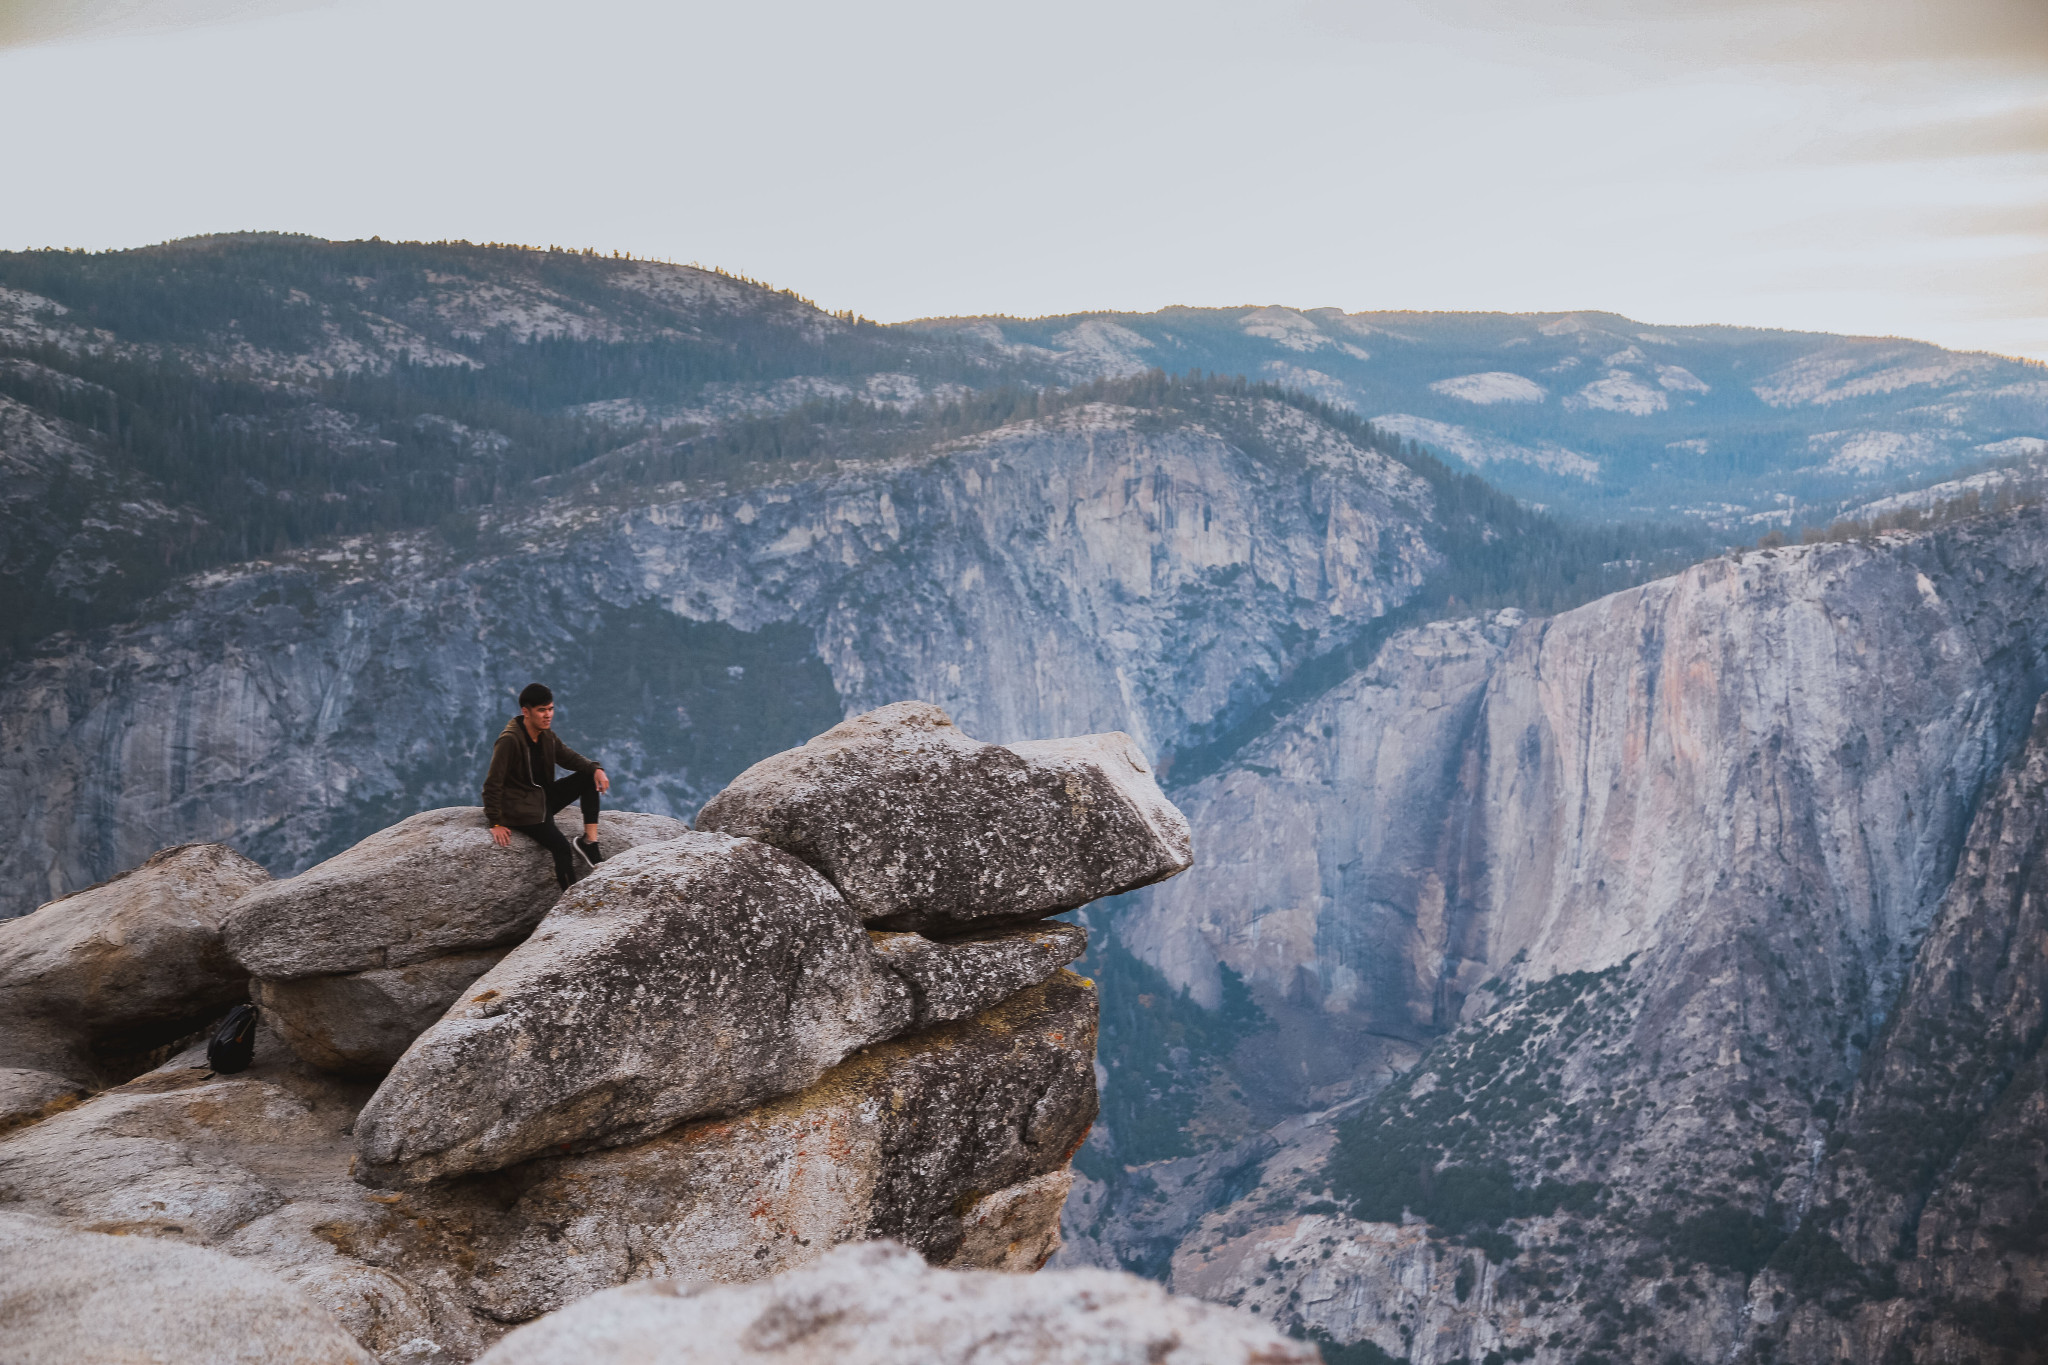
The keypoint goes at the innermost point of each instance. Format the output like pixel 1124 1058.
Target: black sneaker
pixel 590 851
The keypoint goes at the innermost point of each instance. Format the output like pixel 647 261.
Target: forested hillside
pixel 1597 415
pixel 212 400
pixel 205 402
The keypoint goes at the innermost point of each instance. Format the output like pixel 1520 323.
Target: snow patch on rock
pixel 1329 389
pixel 1104 348
pixel 2014 448
pixel 1862 370
pixel 1479 448
pixel 1619 391
pixel 1678 379
pixel 1284 327
pixel 1491 386
pixel 1873 452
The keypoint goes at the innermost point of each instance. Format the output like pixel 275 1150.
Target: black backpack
pixel 234 1042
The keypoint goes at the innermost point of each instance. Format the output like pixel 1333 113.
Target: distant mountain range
pixel 1597 415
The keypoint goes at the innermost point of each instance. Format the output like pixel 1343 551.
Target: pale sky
pixel 1863 166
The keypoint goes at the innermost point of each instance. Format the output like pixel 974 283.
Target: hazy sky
pixel 1871 166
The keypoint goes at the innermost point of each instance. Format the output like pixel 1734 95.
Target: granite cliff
pixel 1083 572
pixel 1655 910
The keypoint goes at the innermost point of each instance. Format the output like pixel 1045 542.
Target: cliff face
pixel 1661 866
pixel 1086 573
pixel 1926 1242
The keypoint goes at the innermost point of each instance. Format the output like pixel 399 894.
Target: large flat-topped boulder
pixel 124 966
pixel 921 827
pixel 69 1296
pixel 696 977
pixel 359 1023
pixel 429 886
pixel 699 976
pixel 879 1304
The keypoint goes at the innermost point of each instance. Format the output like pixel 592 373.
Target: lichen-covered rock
pixel 953 1140
pixel 360 1023
pixel 697 977
pixel 428 886
pixel 952 979
pixel 879 1304
pixel 123 966
pixel 1016 1229
pixel 68 1297
pixel 921 827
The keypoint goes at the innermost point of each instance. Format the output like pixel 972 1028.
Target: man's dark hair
pixel 536 694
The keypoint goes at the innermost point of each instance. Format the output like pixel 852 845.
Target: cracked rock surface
pixel 952 979
pixel 135 962
pixel 360 1023
pixel 951 1140
pixel 428 886
pixel 695 977
pixel 473 1103
pixel 68 1297
pixel 921 827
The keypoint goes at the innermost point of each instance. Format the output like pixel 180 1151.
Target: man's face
pixel 540 717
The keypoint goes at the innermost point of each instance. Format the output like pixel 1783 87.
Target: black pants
pixel 575 787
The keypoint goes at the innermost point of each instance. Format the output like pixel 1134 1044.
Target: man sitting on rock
pixel 520 791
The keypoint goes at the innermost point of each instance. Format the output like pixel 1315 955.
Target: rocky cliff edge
pixel 473 1102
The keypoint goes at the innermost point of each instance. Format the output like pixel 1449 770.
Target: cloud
pixel 25 23
pixel 2007 33
pixel 1938 85
pixel 2016 131
pixel 1999 32
pixel 2001 220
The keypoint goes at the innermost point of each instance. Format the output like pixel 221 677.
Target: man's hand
pixel 604 784
pixel 501 836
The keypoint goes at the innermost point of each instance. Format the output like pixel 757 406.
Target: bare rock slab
pixel 429 886
pixel 953 1140
pixel 921 827
pixel 879 1304
pixel 696 977
pixel 361 1023
pixel 68 1296
pixel 699 976
pixel 123 966
pixel 29 1096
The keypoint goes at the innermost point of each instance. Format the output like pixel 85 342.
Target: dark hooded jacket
pixel 513 794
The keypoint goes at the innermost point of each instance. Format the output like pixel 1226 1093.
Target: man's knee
pixel 570 790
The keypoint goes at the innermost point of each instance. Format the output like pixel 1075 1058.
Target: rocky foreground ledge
pixel 832 1013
